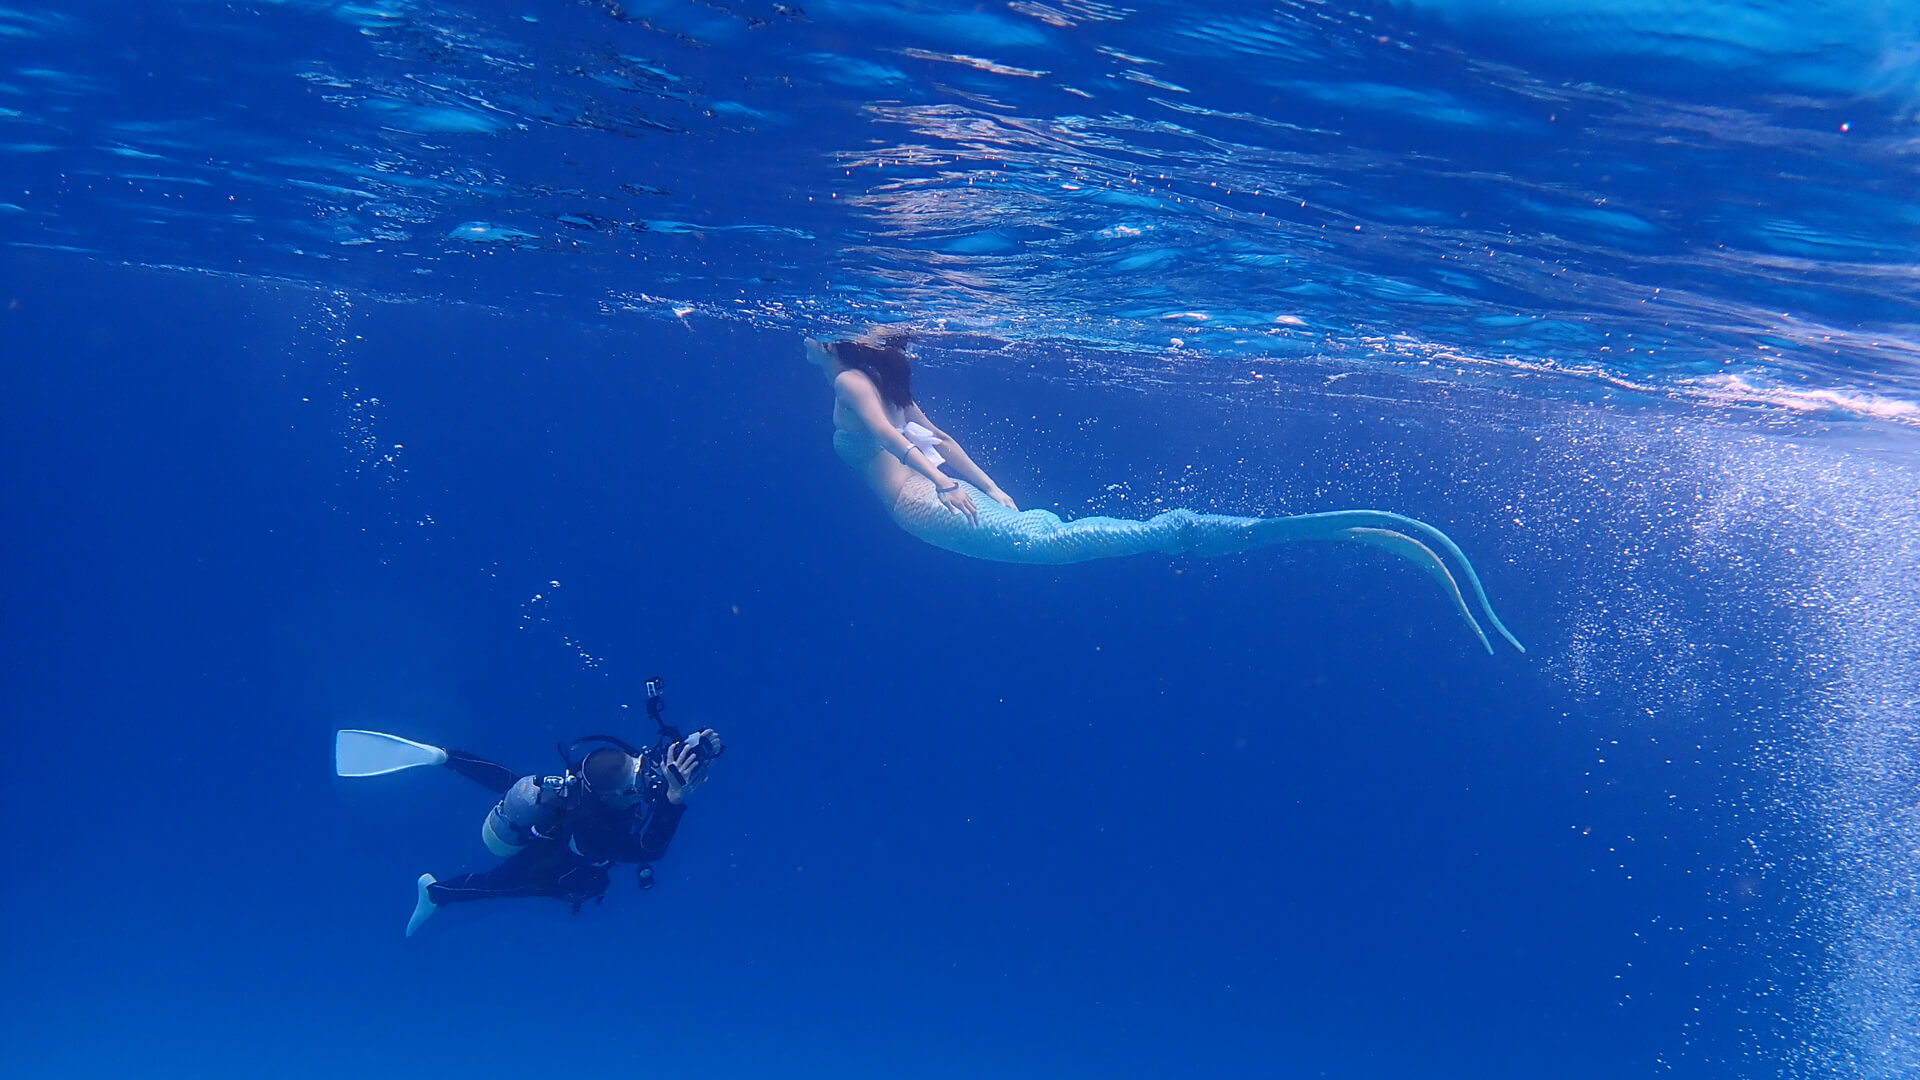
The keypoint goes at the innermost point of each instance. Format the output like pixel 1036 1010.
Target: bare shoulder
pixel 854 384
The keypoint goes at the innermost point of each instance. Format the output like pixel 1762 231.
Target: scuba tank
pixel 527 812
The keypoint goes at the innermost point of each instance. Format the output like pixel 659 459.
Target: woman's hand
pixel 1001 497
pixel 957 500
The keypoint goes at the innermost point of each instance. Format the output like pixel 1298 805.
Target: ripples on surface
pixel 1250 185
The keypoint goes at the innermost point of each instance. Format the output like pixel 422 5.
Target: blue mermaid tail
pixel 1040 537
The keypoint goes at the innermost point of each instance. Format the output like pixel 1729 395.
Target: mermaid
pixel 934 491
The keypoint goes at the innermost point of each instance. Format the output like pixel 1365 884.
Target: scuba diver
pixel 559 835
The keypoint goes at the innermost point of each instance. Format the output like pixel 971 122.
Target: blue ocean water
pixel 434 367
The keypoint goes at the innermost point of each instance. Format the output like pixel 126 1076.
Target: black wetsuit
pixel 572 866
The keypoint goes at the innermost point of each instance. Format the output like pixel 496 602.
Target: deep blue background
pixel 1620 298
pixel 1263 816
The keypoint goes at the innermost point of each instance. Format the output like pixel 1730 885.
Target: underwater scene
pixel 961 538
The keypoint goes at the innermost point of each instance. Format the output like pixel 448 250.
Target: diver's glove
pixel 685 767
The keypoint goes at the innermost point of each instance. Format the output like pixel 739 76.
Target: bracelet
pixel 943 491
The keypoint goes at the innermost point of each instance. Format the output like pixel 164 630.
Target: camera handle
pixel 668 733
pixel 656 706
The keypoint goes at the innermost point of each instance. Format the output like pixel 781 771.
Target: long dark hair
pixel 884 363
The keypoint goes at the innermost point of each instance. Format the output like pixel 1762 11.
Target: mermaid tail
pixel 1041 537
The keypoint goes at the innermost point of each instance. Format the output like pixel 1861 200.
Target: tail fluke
pixel 375 753
pixel 1422 556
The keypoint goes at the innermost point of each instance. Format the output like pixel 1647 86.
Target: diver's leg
pixel 548 869
pixel 519 876
pixel 581 882
pixel 524 874
pixel 495 778
pixel 532 872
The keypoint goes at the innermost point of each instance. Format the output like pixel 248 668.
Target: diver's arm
pixel 652 840
pixel 957 459
pixel 684 769
pixel 658 821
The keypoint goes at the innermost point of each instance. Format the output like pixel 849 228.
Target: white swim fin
pixel 423 905
pixel 374 753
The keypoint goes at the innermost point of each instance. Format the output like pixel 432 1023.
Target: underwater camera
pixel 706 746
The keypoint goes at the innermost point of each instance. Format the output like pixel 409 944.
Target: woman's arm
pixel 957 459
pixel 857 392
